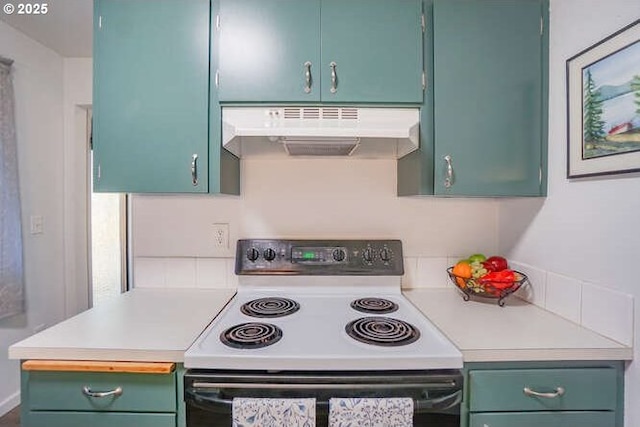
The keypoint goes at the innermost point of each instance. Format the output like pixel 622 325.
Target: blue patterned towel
pixel 371 412
pixel 249 412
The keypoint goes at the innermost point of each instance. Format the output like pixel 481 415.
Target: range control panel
pixel 320 257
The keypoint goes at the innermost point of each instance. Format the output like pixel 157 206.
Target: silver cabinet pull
pixel 194 169
pixel 88 392
pixel 449 178
pixel 334 78
pixel 559 392
pixel 307 77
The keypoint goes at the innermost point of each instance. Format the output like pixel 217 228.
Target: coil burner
pixel 382 331
pixel 251 335
pixel 374 305
pixel 270 307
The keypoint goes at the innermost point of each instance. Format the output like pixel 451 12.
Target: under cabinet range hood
pixel 320 131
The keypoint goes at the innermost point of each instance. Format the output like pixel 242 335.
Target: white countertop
pixel 152 325
pixel 519 331
pixel 158 325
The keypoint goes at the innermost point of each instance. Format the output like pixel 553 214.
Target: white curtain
pixel 11 268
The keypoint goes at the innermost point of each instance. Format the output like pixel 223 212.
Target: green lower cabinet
pixel 550 394
pixel 546 419
pixel 100 399
pixel 548 389
pixel 65 391
pixel 102 419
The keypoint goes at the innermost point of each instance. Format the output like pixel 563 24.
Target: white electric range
pixel 321 305
pixel 321 318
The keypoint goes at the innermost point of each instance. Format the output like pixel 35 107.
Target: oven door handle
pixel 321 386
pixel 212 401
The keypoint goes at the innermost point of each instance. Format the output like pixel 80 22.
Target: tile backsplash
pixel 601 309
pixel 195 272
pixel 183 272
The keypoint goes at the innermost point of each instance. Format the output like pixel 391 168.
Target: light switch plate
pixel 37 224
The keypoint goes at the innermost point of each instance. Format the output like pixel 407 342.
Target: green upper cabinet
pixel 484 120
pixel 269 50
pixel 371 51
pixel 156 126
pixel 360 51
pixel 151 95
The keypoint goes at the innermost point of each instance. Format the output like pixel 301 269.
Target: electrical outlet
pixel 221 236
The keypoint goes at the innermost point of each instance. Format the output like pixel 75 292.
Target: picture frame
pixel 603 106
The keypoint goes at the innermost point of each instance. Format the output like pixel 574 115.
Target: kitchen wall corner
pixel 584 234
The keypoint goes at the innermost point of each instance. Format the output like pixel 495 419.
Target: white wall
pixel 321 198
pixel 38 91
pixel 77 98
pixel 585 230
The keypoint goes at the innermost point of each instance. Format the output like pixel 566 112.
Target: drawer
pixel 546 419
pixel 503 390
pixel 63 391
pixel 98 419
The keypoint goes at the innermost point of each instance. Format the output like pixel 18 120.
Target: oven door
pixel 436 394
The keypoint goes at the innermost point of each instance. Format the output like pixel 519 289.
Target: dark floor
pixel 11 419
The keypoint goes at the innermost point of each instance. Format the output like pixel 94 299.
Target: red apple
pixel 496 263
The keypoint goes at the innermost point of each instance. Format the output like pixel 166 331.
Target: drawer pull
pixel 88 392
pixel 559 392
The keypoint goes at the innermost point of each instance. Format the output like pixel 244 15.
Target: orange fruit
pixel 462 271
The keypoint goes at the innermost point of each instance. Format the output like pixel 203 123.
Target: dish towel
pixel 371 412
pixel 253 412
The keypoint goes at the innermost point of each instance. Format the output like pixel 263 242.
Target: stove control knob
pixel 367 255
pixel 252 254
pixel 385 254
pixel 269 254
pixel 339 255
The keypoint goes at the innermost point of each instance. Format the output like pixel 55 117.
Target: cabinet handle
pixel 449 178
pixel 334 77
pixel 307 77
pixel 194 169
pixel 559 392
pixel 88 392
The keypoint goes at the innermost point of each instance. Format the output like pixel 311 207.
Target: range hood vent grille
pixel 329 113
pixel 320 147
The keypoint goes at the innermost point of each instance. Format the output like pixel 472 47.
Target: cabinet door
pixel 546 419
pixel 264 46
pixel 488 96
pixel 376 46
pixel 151 94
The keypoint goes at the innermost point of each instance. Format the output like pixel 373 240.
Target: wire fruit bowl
pixel 477 287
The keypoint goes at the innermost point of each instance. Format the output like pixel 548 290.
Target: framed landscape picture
pixel 603 106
